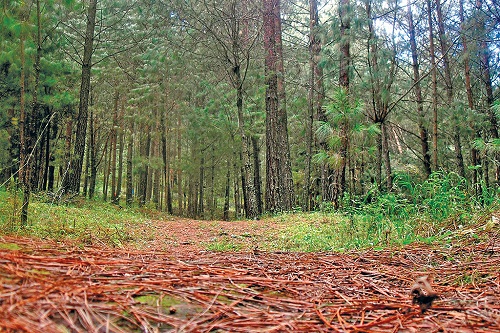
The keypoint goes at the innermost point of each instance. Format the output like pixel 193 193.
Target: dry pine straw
pixel 47 287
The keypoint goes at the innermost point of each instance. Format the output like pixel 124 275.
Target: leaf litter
pixel 52 287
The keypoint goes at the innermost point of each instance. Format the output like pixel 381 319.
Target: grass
pixel 224 246
pixel 86 221
pixel 439 210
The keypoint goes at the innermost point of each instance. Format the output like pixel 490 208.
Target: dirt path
pixel 179 286
pixel 187 235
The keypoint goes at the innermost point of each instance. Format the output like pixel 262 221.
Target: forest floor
pixel 171 281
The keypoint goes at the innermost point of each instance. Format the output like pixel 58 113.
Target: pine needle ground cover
pixel 48 287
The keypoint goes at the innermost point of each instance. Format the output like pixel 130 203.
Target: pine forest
pixel 249 166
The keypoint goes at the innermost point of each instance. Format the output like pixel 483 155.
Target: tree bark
pixel 225 216
pixel 120 155
pixel 485 55
pixel 72 181
pixel 114 139
pixel 279 185
pixel 256 177
pixel 315 98
pixel 424 144
pixel 344 82
pixel 201 196
pixel 470 98
pixel 432 53
pixel 449 88
pixel 24 136
pixel 129 198
pixel 144 172
pixel 166 162
pixel 179 170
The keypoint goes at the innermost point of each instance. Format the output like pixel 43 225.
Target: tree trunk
pixel 166 162
pixel 387 158
pixel 72 181
pixel 250 196
pixel 315 97
pixel 47 156
pixel 114 139
pixel 432 54
pixel 279 185
pixel 212 200
pixel 107 168
pixel 201 196
pixel 424 144
pixel 120 156
pixel 67 148
pixel 129 198
pixel 470 99
pixel 24 137
pixel 484 61
pixel 237 198
pixel 179 170
pixel 144 173
pixel 92 151
pixel 379 163
pixel 449 88
pixel 257 178
pixel 226 193
pixel 344 82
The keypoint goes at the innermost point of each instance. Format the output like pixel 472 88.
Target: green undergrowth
pixel 439 210
pixel 88 222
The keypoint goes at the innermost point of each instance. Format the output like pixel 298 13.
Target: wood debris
pixel 422 293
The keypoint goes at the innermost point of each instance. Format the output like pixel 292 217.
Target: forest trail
pixel 188 235
pixel 53 287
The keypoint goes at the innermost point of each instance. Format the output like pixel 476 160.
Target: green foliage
pixel 88 222
pixel 428 211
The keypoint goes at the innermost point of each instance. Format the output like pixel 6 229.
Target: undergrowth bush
pixel 413 211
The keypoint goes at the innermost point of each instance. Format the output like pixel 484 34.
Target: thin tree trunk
pixel 72 181
pixel 92 151
pixel 166 162
pixel 114 139
pixel 315 97
pixel 226 193
pixel 449 88
pixel 387 158
pixel 249 188
pixel 24 136
pixel 485 56
pixel 470 99
pixel 432 53
pixel 237 199
pixel 179 170
pixel 201 196
pixel 129 198
pixel 424 144
pixel 107 168
pixel 47 156
pixel 86 176
pixel 212 199
pixel 144 173
pixel 120 167
pixel 67 148
pixel 344 82
pixel 257 178
pixel 378 173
